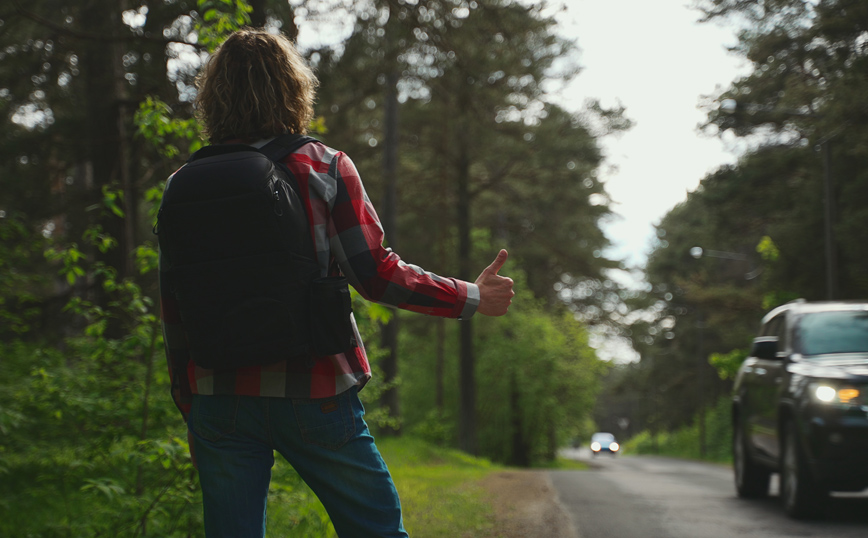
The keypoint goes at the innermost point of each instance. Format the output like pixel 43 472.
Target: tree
pixel 495 57
pixel 75 77
pixel 767 212
pixel 808 64
pixel 475 135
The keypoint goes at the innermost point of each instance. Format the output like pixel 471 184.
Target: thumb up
pixel 495 291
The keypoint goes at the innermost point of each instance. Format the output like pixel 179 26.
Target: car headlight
pixel 829 394
pixel 595 446
pixel 614 447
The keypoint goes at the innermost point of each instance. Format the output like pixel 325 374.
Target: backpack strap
pixel 283 145
pixel 279 148
pixel 275 150
pixel 218 149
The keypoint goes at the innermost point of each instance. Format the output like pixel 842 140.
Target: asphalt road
pixel 655 497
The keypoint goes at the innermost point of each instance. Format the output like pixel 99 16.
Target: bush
pixel 685 442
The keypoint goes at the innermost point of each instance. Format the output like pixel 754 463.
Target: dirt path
pixel 526 505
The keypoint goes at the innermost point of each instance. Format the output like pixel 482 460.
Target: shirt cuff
pixel 471 303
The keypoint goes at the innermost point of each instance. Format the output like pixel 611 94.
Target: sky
pixel 653 58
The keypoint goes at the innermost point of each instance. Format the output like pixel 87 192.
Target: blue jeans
pixel 325 440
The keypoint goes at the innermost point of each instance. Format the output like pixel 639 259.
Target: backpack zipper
pixel 277 209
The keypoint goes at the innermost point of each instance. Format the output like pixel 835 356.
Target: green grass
pixel 566 464
pixel 439 489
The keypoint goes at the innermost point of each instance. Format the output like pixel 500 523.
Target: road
pixel 656 497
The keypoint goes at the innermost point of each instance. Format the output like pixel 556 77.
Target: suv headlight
pixel 826 393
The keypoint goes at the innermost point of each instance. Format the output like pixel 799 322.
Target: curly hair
pixel 256 85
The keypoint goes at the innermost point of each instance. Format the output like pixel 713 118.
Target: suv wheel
pixel 751 479
pixel 803 497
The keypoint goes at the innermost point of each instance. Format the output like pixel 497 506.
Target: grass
pixel 439 489
pixel 567 465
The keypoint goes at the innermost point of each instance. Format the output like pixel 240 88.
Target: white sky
pixel 653 58
pixel 657 61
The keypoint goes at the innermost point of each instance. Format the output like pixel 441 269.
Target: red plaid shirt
pixel 348 239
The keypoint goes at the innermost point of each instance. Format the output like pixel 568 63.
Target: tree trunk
pixel 258 16
pixel 520 449
pixel 440 365
pixel 104 132
pixel 467 367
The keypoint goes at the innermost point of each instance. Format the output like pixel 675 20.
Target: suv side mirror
pixel 765 347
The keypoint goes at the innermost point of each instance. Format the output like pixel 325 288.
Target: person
pixel 255 87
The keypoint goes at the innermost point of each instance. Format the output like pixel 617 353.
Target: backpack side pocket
pixel 331 307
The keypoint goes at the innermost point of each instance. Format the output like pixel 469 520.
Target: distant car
pixel 800 405
pixel 604 442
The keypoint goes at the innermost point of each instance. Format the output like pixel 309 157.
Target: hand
pixel 495 291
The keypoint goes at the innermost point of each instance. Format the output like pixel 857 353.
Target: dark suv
pixel 800 406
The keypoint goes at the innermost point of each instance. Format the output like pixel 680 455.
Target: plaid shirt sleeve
pixel 356 240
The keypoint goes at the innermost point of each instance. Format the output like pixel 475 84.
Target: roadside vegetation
pixel 439 491
pixel 687 441
pixel 98 103
pixel 439 487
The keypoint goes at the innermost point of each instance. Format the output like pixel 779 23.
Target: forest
pixel 447 109
pixel 444 108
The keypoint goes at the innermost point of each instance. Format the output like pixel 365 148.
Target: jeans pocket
pixel 212 417
pixel 327 422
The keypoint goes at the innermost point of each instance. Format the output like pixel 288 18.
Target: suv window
pixel 832 332
pixel 777 326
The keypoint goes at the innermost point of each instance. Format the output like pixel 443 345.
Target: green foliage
pixel 685 442
pixel 219 19
pixel 768 250
pixel 293 509
pixel 23 282
pixel 435 427
pixel 82 419
pixel 161 127
pixel 537 381
pixel 727 364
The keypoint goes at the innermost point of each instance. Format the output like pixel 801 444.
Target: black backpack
pixel 241 263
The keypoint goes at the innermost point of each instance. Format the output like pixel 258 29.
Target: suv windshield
pixel 832 332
